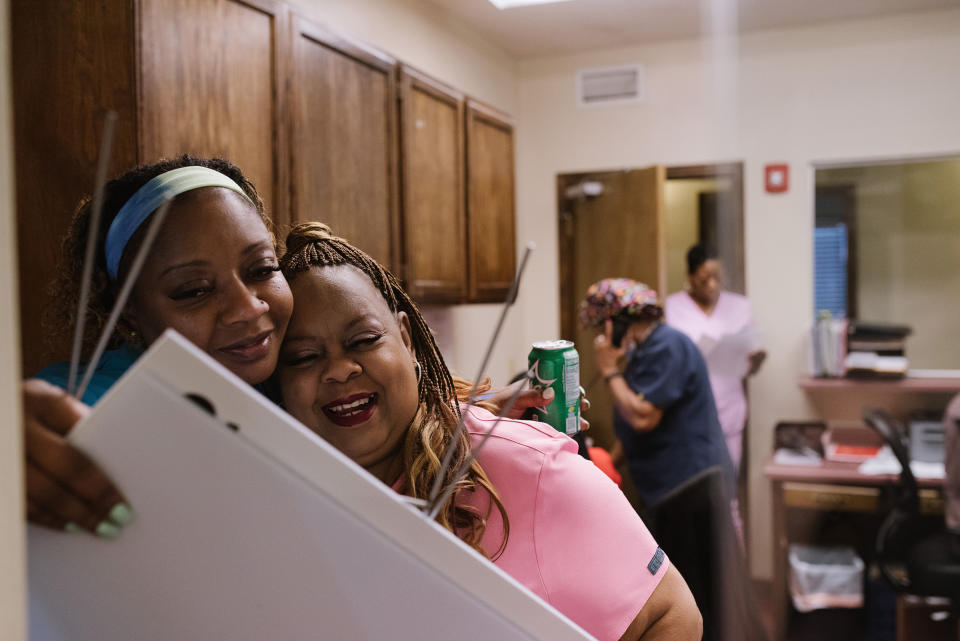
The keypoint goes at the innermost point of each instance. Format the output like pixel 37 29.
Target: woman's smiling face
pixel 212 275
pixel 347 369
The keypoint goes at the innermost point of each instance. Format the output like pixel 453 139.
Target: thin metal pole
pixel 436 506
pixel 511 298
pixel 121 303
pixel 103 164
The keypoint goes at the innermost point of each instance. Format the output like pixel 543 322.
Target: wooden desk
pixel 828 487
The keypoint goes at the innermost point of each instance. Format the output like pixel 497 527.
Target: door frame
pixel 734 172
pixel 568 300
pixel 565 246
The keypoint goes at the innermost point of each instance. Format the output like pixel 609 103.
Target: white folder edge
pixel 172 359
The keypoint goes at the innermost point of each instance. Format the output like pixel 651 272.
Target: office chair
pixel 694 527
pixel 928 558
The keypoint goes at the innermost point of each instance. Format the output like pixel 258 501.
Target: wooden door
pixel 434 228
pixel 491 244
pixel 210 74
pixel 343 122
pixel 617 233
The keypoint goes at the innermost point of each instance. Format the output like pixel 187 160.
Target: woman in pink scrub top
pixel 361 369
pixel 706 314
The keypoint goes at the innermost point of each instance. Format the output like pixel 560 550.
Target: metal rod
pixel 511 298
pixel 465 467
pixel 103 164
pixel 128 284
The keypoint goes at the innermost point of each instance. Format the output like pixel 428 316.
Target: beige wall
pixel 861 89
pixel 908 252
pixel 424 36
pixel 12 600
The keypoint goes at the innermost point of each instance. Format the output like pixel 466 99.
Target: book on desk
pixel 858 349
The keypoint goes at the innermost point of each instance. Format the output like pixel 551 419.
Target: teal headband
pixel 149 197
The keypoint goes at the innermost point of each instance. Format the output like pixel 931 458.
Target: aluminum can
pixel 556 364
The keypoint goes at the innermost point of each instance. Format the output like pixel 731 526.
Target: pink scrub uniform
pixel 575 540
pixel 730 316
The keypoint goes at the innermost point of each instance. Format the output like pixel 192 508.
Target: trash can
pixel 825 577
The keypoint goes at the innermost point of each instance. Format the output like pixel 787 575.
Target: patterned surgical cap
pixel 611 296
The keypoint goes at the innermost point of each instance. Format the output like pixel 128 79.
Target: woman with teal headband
pixel 212 274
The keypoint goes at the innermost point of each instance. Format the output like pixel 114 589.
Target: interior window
pixel 887 250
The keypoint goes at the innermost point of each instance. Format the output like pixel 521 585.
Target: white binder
pixel 249 526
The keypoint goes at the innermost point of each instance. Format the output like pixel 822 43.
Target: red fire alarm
pixel 776 178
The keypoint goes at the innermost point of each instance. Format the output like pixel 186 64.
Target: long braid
pixel 312 245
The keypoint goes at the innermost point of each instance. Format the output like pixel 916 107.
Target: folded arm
pixel 642 415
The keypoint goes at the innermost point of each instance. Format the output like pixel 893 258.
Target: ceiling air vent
pixel 609 85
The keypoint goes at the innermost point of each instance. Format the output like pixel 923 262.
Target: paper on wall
pixel 729 354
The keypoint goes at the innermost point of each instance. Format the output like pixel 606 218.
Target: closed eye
pixel 366 341
pixel 299 360
pixel 264 272
pixel 191 294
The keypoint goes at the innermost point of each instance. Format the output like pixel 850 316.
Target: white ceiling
pixel 581 25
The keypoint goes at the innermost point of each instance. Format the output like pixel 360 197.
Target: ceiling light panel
pixel 513 4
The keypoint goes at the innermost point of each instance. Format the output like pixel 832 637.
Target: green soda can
pixel 556 364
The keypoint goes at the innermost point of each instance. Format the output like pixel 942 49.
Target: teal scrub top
pixel 113 364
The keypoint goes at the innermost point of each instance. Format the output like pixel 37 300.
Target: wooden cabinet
pixel 431 116
pixel 312 118
pixel 491 248
pixel 343 158
pixel 183 76
pixel 209 86
pixel 458 190
pixel 55 149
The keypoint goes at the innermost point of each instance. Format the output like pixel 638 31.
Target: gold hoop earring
pixel 416 365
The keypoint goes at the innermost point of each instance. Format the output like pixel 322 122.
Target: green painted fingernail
pixel 72 528
pixel 121 514
pixel 108 530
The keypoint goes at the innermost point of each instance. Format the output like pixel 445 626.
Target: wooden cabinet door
pixel 71 62
pixel 491 244
pixel 343 125
pixel 432 179
pixel 210 73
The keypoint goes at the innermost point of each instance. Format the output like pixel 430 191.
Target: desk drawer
pixel 849 498
pixel 931 501
pixel 831 497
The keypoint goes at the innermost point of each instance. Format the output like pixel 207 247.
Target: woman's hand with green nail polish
pixel 66 490
pixel 121 515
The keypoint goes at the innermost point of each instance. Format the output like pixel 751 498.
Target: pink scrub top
pixel 575 540
pixel 731 315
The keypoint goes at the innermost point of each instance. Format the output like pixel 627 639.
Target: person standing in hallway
pixel 720 323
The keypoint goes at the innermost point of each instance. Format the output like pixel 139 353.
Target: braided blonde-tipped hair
pixel 313 245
